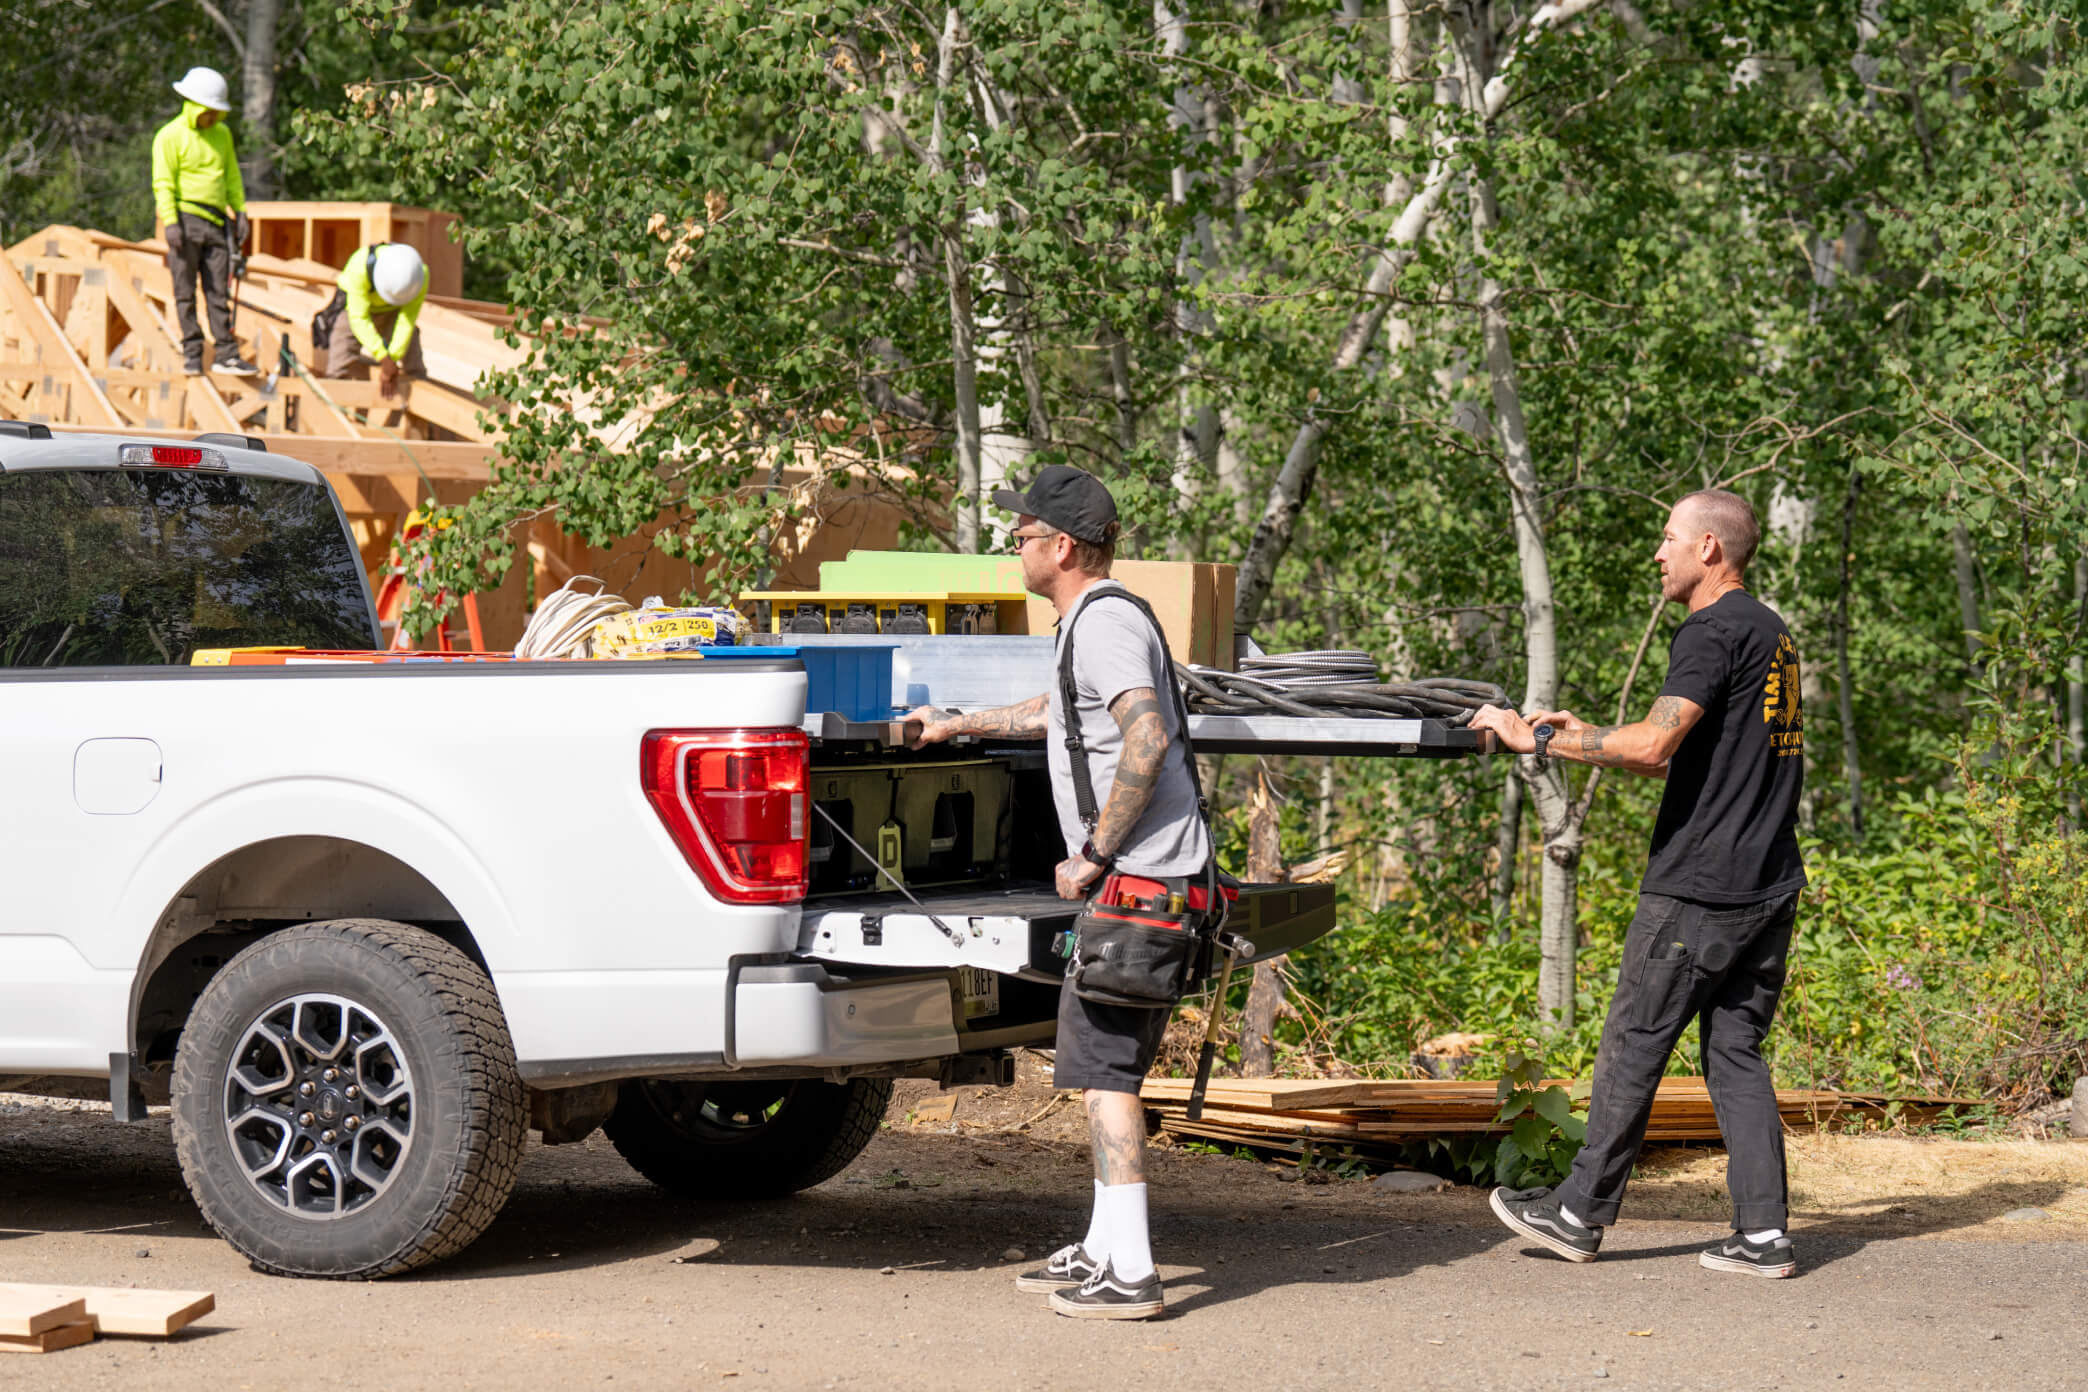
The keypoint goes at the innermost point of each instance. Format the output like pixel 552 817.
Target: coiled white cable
pixel 563 623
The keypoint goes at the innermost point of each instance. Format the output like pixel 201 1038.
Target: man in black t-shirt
pixel 1712 935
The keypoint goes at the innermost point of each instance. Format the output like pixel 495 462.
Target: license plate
pixel 980 990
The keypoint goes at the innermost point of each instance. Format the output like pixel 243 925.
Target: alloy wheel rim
pixel 319 1103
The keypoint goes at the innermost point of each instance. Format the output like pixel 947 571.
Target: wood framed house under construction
pixel 88 341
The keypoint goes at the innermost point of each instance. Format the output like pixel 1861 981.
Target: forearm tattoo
pixel 1666 713
pixel 1592 750
pixel 1023 721
pixel 1137 714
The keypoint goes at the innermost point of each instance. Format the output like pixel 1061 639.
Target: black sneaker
pixel 1774 1258
pixel 1065 1269
pixel 1106 1296
pixel 1535 1214
pixel 192 367
pixel 233 365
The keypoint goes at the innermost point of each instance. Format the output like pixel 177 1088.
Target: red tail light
pixel 735 802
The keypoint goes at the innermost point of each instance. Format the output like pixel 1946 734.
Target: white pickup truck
pixel 363 925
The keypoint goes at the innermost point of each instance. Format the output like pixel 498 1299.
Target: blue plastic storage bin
pixel 853 682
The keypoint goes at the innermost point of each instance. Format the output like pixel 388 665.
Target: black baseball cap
pixel 1070 499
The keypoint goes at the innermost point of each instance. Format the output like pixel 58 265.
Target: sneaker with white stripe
pixel 1536 1215
pixel 1774 1258
pixel 1108 1296
pixel 1066 1269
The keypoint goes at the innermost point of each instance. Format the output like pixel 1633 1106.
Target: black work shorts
pixel 1108 1048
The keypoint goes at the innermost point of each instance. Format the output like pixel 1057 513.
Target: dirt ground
pixel 1919 1269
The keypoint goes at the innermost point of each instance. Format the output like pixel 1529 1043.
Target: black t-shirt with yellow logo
pixel 1728 827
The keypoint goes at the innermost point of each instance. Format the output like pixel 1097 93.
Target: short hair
pixel 1091 557
pixel 1731 519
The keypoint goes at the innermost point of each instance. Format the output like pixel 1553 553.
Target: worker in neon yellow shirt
pixel 373 316
pixel 201 204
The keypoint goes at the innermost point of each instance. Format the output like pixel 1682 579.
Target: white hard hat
pixel 398 275
pixel 206 87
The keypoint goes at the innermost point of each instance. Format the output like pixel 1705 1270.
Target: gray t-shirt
pixel 1118 651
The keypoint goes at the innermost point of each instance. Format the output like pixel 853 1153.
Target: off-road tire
pixel 659 1126
pixel 469 1113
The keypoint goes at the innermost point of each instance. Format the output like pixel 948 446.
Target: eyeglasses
pixel 1022 539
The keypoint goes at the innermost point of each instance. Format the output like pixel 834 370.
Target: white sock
pixel 1096 1243
pixel 1130 1245
pixel 1570 1216
pixel 1765 1235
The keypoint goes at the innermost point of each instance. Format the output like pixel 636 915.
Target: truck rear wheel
pixel 750 1140
pixel 346 1102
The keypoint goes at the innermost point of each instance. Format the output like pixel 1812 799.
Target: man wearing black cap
pixel 1149 826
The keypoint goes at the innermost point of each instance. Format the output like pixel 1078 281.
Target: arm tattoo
pixel 1666 713
pixel 1137 714
pixel 1591 746
pixel 1023 721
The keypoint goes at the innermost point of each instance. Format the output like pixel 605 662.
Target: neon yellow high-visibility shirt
pixel 195 171
pixel 364 301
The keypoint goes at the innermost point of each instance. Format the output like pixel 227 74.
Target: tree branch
pixel 217 17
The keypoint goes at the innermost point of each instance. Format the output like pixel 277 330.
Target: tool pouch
pixel 325 320
pixel 1137 957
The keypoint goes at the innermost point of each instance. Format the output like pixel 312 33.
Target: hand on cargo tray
pixel 934 726
pixel 1515 734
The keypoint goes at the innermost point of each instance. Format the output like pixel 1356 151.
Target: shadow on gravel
pixel 1823 1242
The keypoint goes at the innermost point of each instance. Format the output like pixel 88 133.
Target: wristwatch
pixel 1092 856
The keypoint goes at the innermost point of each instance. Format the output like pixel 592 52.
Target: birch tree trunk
pixel 964 370
pixel 1196 437
pixel 1293 483
pixel 1558 820
pixel 1401 73
pixel 1558 933
pixel 1001 450
pixel 257 98
pixel 1967 588
pixel 1120 392
pixel 1844 697
pixel 1508 846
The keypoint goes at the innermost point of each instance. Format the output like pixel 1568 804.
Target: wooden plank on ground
pixel 27 1312
pixel 65 1336
pixel 1364 1114
pixel 1293 1094
pixel 153 1314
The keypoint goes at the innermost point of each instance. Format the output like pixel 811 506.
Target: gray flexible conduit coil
pixel 1327 684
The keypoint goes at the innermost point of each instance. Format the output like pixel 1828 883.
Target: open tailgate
pixel 1012 931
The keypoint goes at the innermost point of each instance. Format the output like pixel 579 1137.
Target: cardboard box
pixel 1193 600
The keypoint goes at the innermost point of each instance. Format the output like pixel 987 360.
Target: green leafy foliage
pixel 1831 260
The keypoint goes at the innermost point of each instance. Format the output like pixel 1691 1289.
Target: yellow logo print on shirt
pixel 1780 700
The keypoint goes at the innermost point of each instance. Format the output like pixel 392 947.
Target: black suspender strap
pixel 1083 780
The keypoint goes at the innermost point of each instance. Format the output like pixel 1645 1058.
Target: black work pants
pixel 205 253
pixel 1723 966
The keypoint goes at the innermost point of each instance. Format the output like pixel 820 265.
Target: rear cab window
pixel 138 567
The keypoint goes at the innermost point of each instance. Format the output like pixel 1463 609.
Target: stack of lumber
pixel 1385 1115
pixel 44 1319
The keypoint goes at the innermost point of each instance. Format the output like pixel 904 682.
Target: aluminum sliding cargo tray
pixel 1291 734
pixel 1245 734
